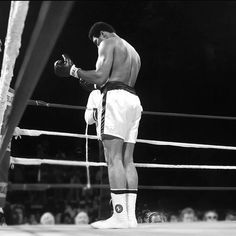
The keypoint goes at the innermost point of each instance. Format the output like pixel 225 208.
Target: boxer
pixel 119 113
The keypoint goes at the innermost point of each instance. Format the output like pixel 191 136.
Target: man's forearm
pixel 91 76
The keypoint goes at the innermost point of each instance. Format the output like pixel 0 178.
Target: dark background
pixel 187 51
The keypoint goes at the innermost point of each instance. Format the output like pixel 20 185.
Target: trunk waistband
pixel 117 85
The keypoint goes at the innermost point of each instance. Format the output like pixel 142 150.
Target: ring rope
pixel 41 187
pixel 42 103
pixel 34 161
pixel 86 158
pixel 46 104
pixel 154 142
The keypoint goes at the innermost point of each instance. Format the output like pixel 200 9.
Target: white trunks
pixel 119 114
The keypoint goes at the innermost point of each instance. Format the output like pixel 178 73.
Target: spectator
pixel 58 218
pixel 230 215
pixel 70 210
pixel 188 215
pixel 156 217
pixel 66 219
pixel 32 219
pixel 210 216
pixel 17 215
pixel 82 218
pixel 47 219
pixel 173 218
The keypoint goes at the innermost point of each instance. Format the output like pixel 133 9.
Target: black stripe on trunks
pixel 104 98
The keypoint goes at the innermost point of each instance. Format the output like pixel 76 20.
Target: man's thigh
pixel 113 146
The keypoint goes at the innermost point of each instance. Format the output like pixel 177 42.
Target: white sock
pixel 1 210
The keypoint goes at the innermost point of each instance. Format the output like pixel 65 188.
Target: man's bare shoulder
pixel 108 42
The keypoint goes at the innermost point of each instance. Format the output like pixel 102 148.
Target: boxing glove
pixel 66 68
pixel 62 68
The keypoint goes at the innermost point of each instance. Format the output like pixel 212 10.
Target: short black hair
pixel 97 27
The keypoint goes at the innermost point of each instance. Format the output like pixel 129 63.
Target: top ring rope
pixel 46 104
pixel 28 132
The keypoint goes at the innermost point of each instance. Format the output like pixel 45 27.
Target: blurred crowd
pixel 17 214
pixel 79 205
pixel 187 214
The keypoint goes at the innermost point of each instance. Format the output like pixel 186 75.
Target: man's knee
pixel 114 160
pixel 128 150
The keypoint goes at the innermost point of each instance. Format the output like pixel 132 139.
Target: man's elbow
pixel 101 79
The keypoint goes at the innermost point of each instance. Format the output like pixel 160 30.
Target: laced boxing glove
pixel 67 68
pixel 63 68
pixel 91 113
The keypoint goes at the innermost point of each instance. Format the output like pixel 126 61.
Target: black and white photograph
pixel 118 118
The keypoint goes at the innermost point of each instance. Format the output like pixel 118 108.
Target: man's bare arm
pixel 104 64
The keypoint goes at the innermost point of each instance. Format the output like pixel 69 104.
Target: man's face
pixel 188 217
pixel 97 41
pixel 211 216
pixel 82 218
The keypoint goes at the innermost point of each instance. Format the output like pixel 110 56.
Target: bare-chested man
pixel 119 114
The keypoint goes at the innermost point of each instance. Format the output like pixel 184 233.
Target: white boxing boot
pixel 131 206
pixel 119 219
